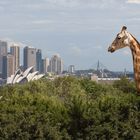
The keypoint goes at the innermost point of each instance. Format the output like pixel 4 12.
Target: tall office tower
pixel 56 64
pixel 29 57
pixel 46 64
pixel 3 52
pixel 8 66
pixel 15 51
pixel 71 69
pixel 39 64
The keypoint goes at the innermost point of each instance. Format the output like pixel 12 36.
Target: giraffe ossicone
pixel 125 39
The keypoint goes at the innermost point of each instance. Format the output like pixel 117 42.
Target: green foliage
pixel 69 108
pixel 94 89
pixel 125 85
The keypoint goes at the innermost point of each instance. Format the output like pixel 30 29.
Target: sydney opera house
pixel 26 76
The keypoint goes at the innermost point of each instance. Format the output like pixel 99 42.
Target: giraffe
pixel 125 39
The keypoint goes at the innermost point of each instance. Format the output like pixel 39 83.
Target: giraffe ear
pixel 124 28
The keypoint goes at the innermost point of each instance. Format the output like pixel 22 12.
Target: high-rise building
pixel 46 64
pixel 39 64
pixel 29 57
pixel 3 52
pixel 15 51
pixel 8 66
pixel 56 64
pixel 71 69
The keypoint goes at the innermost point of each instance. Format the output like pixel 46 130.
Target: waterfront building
pixel 56 64
pixel 71 69
pixel 39 66
pixel 8 66
pixel 29 59
pixel 3 52
pixel 46 63
pixel 15 51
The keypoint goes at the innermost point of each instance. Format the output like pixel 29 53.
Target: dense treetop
pixel 69 108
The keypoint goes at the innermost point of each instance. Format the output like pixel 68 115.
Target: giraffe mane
pixel 135 39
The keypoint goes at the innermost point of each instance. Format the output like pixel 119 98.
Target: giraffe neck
pixel 135 48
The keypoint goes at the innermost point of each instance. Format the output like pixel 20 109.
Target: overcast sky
pixel 79 30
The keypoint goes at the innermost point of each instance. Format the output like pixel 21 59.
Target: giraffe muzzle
pixel 111 49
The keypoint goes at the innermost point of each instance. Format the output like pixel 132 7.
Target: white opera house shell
pixel 22 77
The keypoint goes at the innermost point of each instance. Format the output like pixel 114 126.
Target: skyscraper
pixel 39 64
pixel 46 64
pixel 8 66
pixel 29 57
pixel 71 69
pixel 56 64
pixel 3 52
pixel 15 51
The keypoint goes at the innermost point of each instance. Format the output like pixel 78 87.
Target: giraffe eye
pixel 118 37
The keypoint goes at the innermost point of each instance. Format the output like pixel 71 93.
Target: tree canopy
pixel 69 108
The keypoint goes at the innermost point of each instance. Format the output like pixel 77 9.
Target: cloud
pixel 53 4
pixel 55 15
pixel 75 50
pixel 42 21
pixel 85 3
pixel 84 50
pixel 133 1
pixel 11 42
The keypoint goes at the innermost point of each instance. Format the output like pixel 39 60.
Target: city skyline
pixel 10 61
pixel 79 30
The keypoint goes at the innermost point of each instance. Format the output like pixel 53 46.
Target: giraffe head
pixel 121 40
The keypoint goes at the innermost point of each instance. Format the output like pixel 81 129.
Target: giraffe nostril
pixel 111 49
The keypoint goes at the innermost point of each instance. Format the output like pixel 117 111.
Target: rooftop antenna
pixel 125 72
pixel 98 65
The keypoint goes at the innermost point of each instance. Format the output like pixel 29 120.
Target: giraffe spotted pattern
pixel 125 39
